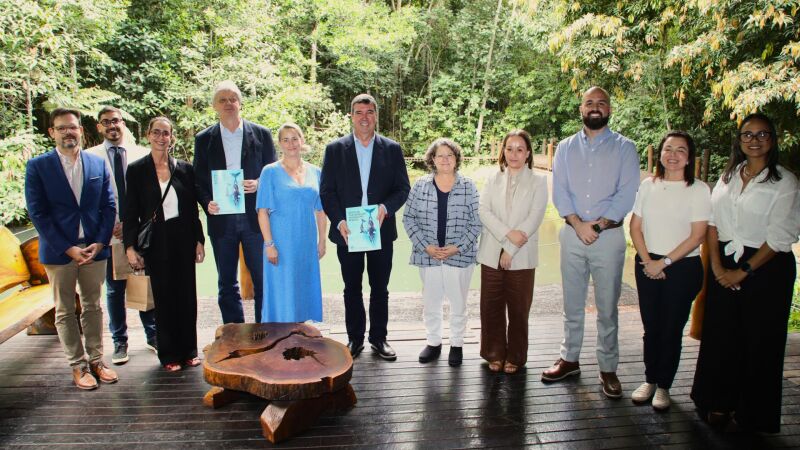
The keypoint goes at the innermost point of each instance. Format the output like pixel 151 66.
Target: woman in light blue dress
pixel 293 225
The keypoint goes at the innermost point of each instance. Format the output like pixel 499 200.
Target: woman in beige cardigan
pixel 512 206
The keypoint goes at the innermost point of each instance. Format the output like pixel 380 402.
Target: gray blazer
pixel 420 219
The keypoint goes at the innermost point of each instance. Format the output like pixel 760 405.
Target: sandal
pixel 194 362
pixel 495 366
pixel 510 368
pixel 172 367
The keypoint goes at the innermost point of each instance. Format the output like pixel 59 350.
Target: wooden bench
pixel 26 300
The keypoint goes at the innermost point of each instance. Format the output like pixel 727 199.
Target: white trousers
pixel 439 282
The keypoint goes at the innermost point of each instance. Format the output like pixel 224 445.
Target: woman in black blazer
pixel 176 243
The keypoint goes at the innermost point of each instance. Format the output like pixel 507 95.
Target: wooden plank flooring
pixel 400 405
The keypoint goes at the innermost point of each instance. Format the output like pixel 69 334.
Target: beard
pixel 595 123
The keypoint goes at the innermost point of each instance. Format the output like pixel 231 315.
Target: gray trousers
pixel 603 260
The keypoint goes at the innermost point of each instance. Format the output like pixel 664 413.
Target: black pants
pixel 740 365
pixel 665 306
pixel 379 267
pixel 175 296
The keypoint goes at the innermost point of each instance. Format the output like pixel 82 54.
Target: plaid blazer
pixel 421 220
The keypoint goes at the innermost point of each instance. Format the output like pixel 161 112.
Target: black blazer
pixel 257 151
pixel 144 195
pixel 340 186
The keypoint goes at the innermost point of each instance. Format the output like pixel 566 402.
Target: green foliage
pixel 14 153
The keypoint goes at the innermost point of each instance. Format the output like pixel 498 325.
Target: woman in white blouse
pixel 755 221
pixel 512 206
pixel 669 223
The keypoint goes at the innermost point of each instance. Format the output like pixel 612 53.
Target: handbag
pixel 145 237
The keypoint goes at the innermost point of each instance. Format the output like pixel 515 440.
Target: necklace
pixel 746 172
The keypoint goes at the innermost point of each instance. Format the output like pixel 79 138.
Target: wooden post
pixel 697 163
pixel 550 155
pixel 706 163
pixel 544 146
pixel 650 159
pixel 245 280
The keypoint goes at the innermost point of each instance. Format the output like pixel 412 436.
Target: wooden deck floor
pixel 400 405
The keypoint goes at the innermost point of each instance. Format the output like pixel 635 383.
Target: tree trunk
pixel 28 102
pixel 486 82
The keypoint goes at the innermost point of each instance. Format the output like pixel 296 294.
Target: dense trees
pixel 469 70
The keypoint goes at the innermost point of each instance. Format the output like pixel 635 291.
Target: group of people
pixel 748 224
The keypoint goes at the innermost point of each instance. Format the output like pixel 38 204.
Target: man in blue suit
pixel 232 144
pixel 71 203
pixel 360 169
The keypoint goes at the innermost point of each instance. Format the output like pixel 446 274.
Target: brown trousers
pixel 505 292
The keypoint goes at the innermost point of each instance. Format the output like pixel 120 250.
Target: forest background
pixel 469 70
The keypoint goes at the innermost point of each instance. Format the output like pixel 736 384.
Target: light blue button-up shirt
pixel 232 144
pixel 364 155
pixel 595 178
pixel 111 155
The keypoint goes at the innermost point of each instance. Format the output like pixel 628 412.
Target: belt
pixel 611 225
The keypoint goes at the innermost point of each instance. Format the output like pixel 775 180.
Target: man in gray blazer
pixel 118 152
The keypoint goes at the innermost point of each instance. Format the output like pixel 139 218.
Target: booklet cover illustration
pixel 228 189
pixel 365 231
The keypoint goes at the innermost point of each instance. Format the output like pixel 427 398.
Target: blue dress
pixel 292 288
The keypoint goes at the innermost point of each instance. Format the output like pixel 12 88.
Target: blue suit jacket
pixel 56 214
pixel 340 185
pixel 209 154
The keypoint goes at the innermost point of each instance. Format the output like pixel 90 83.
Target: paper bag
pixel 120 266
pixel 138 292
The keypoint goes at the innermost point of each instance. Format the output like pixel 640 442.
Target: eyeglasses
pixel 761 136
pixel 159 133
pixel 67 128
pixel 448 156
pixel 108 122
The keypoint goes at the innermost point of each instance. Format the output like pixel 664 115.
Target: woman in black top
pixel 176 244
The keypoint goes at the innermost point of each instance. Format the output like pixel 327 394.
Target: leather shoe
pixel 355 348
pixel 102 372
pixel 83 378
pixel 611 385
pixel 429 353
pixel 561 369
pixel 384 350
pixel 455 357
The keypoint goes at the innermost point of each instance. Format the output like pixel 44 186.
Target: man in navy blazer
pixel 71 203
pixel 233 144
pixel 361 169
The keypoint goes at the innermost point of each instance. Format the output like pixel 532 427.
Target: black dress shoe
pixel 384 350
pixel 455 357
pixel 355 348
pixel 429 353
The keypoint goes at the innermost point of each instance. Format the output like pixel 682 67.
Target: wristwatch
pixel 667 261
pixel 746 267
pixel 269 244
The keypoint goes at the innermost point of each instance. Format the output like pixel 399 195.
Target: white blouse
pixel 667 209
pixel 170 202
pixel 764 212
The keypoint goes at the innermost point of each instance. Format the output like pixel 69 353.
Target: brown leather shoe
pixel 103 373
pixel 611 385
pixel 561 369
pixel 83 378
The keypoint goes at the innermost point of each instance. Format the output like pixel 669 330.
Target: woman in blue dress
pixel 293 225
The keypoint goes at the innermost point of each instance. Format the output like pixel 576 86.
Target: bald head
pixel 595 108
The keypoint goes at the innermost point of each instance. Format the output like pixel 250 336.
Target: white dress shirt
pixel 232 144
pixel 764 212
pixel 170 205
pixel 74 173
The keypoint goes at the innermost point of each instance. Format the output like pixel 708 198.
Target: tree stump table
pixel 292 365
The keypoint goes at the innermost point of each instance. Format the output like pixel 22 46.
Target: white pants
pixel 437 283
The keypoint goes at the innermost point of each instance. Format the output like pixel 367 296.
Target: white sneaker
pixel 661 400
pixel 643 392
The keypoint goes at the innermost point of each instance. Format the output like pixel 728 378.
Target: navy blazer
pixel 209 154
pixel 340 185
pixel 56 214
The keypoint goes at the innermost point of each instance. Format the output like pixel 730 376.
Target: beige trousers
pixel 63 279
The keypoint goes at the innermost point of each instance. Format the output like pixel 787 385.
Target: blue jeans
pixel 226 257
pixel 115 303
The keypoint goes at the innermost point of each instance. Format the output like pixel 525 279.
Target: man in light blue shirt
pixel 595 178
